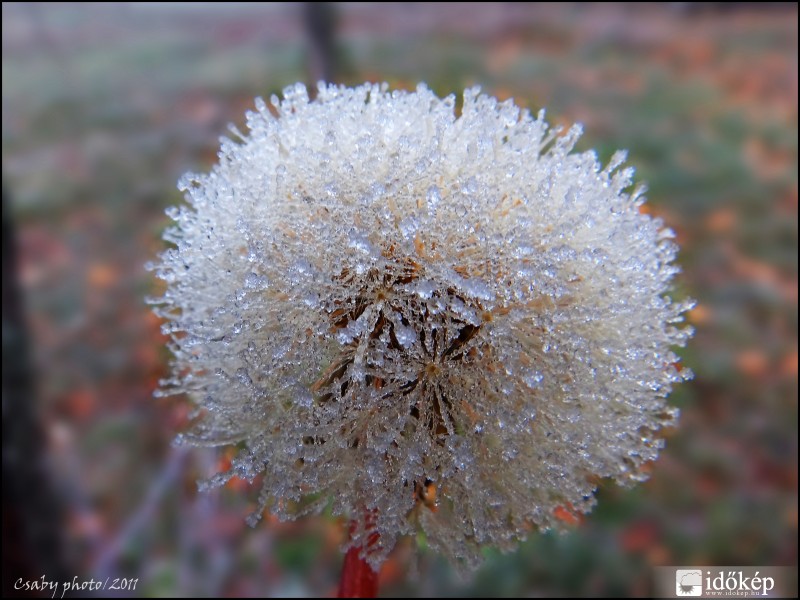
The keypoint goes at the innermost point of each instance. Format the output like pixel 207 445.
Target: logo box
pixel 726 582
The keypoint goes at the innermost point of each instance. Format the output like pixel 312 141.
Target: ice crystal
pixel 454 324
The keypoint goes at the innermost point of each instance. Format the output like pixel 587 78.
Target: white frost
pixel 409 299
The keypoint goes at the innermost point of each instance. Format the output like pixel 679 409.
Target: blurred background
pixel 106 105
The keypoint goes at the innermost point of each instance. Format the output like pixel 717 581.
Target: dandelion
pixel 431 323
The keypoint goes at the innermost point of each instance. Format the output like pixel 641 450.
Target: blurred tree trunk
pixel 32 523
pixel 320 24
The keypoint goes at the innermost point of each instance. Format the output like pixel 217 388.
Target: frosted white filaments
pixel 453 324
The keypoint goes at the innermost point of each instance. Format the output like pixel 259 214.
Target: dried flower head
pixel 453 324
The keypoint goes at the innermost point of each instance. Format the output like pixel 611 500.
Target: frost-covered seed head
pixel 453 324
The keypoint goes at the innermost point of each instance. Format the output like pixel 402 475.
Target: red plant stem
pixel 358 579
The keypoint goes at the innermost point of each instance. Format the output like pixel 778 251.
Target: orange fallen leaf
pixel 753 363
pixel 789 365
pixel 101 275
pixel 237 484
pixel 80 404
pixel 722 220
pixel 699 315
pixel 390 572
pixel 567 515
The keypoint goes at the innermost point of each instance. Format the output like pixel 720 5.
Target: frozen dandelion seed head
pixel 454 325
